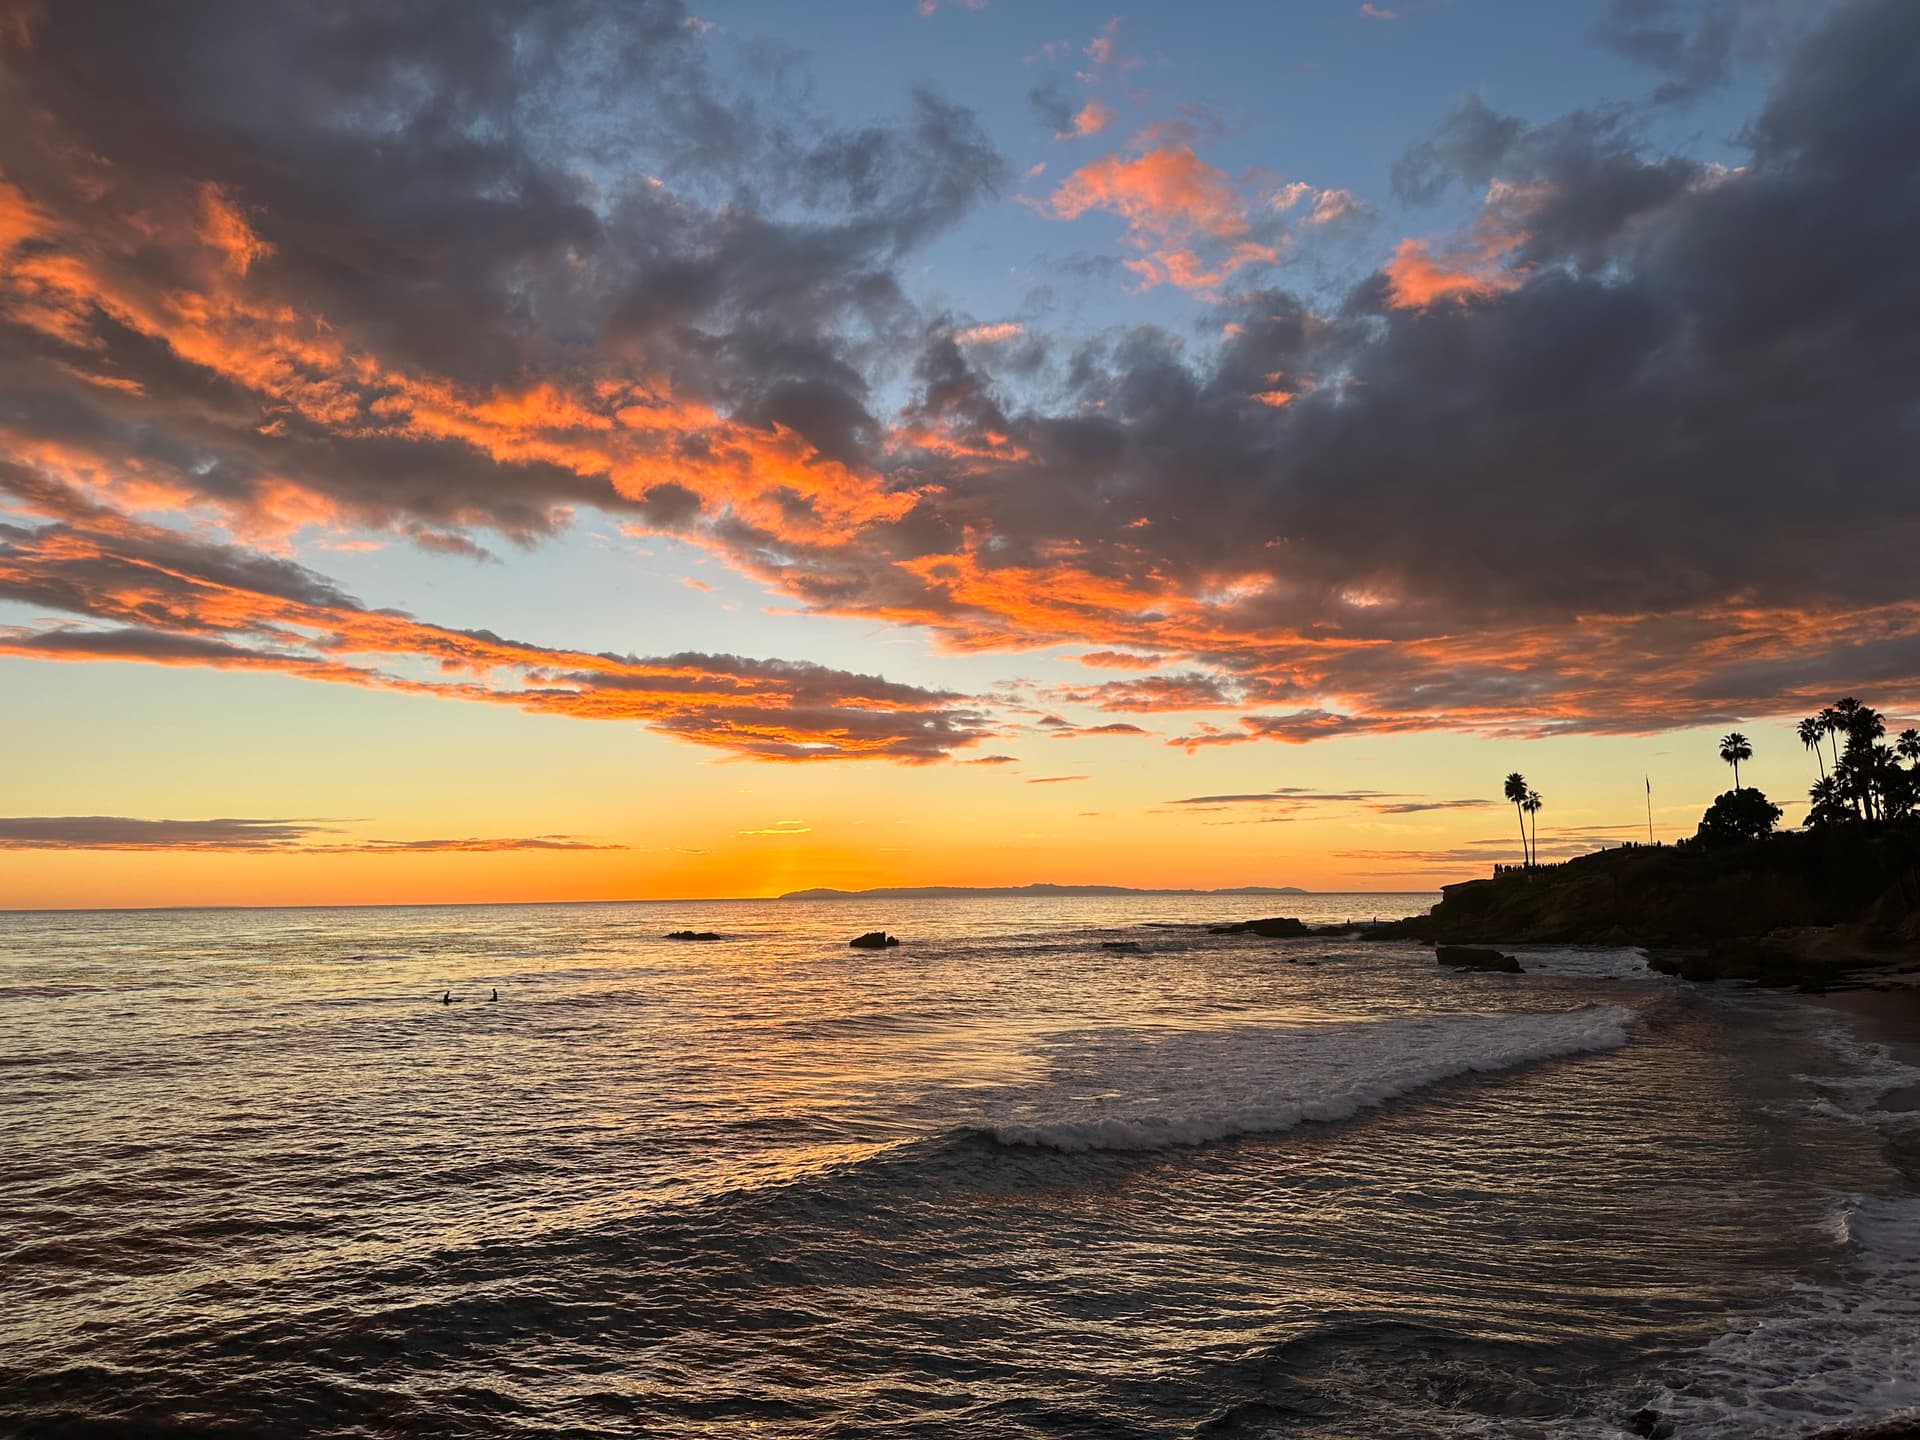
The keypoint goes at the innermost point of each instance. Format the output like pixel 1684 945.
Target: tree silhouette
pixel 1531 805
pixel 1908 745
pixel 1867 781
pixel 1829 803
pixel 1516 791
pixel 1830 722
pixel 1733 749
pixel 1738 815
pixel 1861 765
pixel 1810 731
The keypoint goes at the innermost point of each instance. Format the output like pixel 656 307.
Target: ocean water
pixel 257 1179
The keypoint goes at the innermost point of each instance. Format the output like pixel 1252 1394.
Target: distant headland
pixel 1032 892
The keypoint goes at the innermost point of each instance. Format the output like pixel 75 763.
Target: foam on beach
pixel 1840 1355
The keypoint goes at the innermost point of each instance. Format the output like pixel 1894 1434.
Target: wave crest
pixel 1119 1090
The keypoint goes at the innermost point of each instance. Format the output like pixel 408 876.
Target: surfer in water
pixel 493 997
pixel 447 999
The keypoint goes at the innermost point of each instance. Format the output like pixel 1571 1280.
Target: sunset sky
pixel 613 449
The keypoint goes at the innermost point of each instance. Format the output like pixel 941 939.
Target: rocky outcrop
pixel 1280 927
pixel 872 940
pixel 1474 957
pixel 1816 909
pixel 692 935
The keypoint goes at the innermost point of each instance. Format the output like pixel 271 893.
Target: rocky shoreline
pixel 1816 910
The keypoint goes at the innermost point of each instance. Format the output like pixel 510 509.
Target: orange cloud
pixel 20 220
pixel 1171 200
pixel 996 334
pixel 1164 192
pixel 628 435
pixel 1090 119
pixel 1417 278
pixel 156 596
pixel 223 227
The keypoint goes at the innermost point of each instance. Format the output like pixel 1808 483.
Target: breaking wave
pixel 1120 1090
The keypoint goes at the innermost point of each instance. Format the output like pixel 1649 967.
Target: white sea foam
pixel 1843 1354
pixel 1122 1090
pixel 1834 1355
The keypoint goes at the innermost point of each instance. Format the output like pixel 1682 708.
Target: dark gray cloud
pixel 1665 420
pixel 1694 45
pixel 1292 797
pixel 112 832
pixel 119 832
pixel 489 196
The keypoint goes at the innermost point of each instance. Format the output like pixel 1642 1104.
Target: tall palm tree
pixel 1532 805
pixel 1864 726
pixel 1733 749
pixel 1830 722
pixel 1885 776
pixel 1810 731
pixel 1516 791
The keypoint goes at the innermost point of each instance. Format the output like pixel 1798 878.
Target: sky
pixel 614 449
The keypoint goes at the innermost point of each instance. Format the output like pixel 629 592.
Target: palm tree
pixel 1516 791
pixel 1884 771
pixel 1532 805
pixel 1907 747
pixel 1810 731
pixel 1864 725
pixel 1830 722
pixel 1733 749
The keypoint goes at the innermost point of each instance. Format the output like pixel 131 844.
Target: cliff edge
pixel 1813 908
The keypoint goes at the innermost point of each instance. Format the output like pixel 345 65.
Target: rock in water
pixel 1474 957
pixel 872 940
pixel 1280 927
pixel 692 935
pixel 1124 947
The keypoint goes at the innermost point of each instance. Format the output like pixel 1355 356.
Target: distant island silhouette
pixel 1039 891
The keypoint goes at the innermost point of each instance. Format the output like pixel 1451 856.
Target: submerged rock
pixel 1125 947
pixel 872 940
pixel 1475 957
pixel 692 935
pixel 1280 927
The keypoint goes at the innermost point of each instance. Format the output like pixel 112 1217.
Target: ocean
pixel 259 1179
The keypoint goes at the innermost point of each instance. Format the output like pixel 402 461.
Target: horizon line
pixel 680 900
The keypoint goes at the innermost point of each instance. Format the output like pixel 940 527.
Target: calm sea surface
pixel 257 1179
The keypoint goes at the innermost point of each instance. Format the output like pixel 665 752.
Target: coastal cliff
pixel 1809 907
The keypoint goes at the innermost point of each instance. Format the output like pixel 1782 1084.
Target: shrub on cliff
pixel 1738 815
